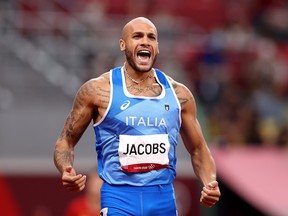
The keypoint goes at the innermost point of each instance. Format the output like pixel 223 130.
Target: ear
pixel 122 44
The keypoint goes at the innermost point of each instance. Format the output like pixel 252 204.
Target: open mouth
pixel 144 55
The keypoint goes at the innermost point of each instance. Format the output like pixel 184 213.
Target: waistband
pixel 130 188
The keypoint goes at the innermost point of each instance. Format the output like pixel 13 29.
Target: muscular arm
pixel 90 104
pixel 77 121
pixel 193 139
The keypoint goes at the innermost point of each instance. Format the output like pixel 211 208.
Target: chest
pixel 150 90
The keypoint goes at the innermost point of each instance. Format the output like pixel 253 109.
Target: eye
pixel 153 37
pixel 137 36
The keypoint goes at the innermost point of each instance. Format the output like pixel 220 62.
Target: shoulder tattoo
pixel 103 97
pixel 181 93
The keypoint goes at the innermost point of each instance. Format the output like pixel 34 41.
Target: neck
pixel 135 80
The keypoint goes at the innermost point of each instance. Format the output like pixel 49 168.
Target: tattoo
pixel 63 157
pixel 103 97
pixel 180 94
pixel 89 89
pixel 151 91
pixel 69 131
pixel 77 114
pixel 183 101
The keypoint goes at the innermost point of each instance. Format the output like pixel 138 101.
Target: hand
pixel 210 194
pixel 71 181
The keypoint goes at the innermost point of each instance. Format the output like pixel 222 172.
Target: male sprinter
pixel 138 113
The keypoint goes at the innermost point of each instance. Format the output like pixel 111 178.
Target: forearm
pixel 204 165
pixel 63 155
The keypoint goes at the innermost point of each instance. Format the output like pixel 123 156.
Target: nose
pixel 145 40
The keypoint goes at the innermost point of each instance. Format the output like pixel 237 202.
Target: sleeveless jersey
pixel 136 138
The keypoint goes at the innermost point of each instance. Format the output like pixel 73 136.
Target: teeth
pixel 144 51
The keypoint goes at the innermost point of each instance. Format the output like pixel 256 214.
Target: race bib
pixel 143 153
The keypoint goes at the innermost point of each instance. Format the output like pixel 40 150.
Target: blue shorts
pixel 126 200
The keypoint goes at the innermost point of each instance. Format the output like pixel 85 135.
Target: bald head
pixel 139 42
pixel 139 21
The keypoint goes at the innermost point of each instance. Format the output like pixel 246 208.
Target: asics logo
pixel 125 105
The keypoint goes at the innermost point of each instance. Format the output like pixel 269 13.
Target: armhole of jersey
pixel 176 98
pixel 110 101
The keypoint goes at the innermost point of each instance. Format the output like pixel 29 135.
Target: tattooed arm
pixel 87 106
pixel 192 136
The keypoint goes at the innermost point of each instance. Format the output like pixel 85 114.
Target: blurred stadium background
pixel 232 54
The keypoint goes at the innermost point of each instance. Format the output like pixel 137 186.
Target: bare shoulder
pixel 95 88
pixel 183 93
pixel 102 80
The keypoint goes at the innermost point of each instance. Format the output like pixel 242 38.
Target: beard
pixel 131 62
